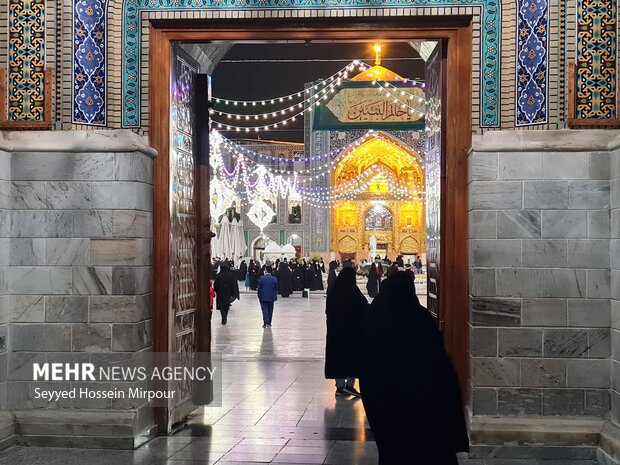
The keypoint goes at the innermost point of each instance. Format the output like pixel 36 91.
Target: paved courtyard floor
pixel 276 407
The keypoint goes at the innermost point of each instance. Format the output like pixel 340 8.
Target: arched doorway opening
pixel 390 203
pixel 452 148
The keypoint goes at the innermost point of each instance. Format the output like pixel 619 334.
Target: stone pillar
pixel 79 271
pixel 539 257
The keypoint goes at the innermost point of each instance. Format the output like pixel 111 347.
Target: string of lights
pixel 281 99
pixel 312 96
pixel 398 99
pixel 285 186
pixel 330 158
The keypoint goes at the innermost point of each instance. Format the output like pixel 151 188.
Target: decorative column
pixel 26 90
pixel 592 95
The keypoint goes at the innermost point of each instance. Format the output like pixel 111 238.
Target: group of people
pixel 391 343
pixel 293 275
pixel 376 272
pixel 285 277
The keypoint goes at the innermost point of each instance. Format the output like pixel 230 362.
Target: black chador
pixel 253 269
pixel 298 277
pixel 331 277
pixel 345 309
pixel 309 277
pixel 317 279
pixel 374 279
pixel 400 336
pixel 285 280
pixel 243 269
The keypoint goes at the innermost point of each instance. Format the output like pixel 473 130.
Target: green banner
pixel 362 105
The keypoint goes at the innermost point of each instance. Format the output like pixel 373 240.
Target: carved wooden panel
pixel 183 250
pixel 433 178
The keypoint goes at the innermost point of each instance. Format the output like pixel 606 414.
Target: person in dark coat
pixel 401 336
pixel 391 269
pixel 226 290
pixel 374 278
pixel 322 264
pixel 298 282
pixel 309 281
pixel 409 271
pixel 243 269
pixel 267 295
pixel 345 309
pixel 285 279
pixel 331 276
pixel 317 277
pixel 253 269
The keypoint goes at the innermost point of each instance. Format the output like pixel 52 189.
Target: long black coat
pixel 345 308
pixel 285 280
pixel 401 339
pixel 226 288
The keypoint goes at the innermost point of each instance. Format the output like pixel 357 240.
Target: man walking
pixel 267 295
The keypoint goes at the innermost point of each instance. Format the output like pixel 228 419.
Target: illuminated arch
pixel 347 245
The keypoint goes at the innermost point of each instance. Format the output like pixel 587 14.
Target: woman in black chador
pixel 317 277
pixel 427 427
pixel 253 269
pixel 298 280
pixel 374 278
pixel 331 276
pixel 226 290
pixel 345 309
pixel 285 279
pixel 309 276
pixel 243 269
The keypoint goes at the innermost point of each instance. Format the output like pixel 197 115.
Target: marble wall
pixel 541 273
pixel 76 265
pixel 6 420
pixel 615 283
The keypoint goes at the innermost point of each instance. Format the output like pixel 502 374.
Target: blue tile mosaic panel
pixel 89 62
pixel 532 62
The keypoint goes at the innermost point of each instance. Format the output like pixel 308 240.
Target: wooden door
pixel 183 256
pixel 433 173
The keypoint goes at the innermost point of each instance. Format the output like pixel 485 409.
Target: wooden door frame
pixel 455 31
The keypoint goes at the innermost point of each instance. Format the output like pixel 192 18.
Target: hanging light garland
pixel 261 182
pixel 275 100
pixel 335 157
pixel 317 95
pixel 297 110
pixel 331 158
pixel 277 185
pixel 399 98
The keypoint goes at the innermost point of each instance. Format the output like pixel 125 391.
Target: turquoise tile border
pixel 489 51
